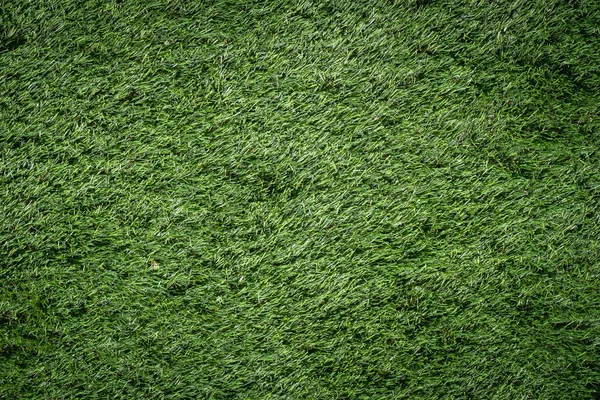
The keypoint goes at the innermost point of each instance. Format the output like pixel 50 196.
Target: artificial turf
pixel 300 200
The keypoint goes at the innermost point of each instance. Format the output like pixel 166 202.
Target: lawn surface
pixel 300 200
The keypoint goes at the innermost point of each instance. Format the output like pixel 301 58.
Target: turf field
pixel 300 200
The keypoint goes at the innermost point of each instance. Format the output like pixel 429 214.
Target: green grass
pixel 300 200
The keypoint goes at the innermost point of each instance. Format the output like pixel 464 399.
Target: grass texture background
pixel 300 200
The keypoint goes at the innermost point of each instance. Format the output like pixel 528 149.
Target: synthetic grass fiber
pixel 299 200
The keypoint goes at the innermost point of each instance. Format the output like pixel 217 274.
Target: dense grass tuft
pixel 286 200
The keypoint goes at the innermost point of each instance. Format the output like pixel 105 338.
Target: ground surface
pixel 326 200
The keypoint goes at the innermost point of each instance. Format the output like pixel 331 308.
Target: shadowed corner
pixel 594 387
